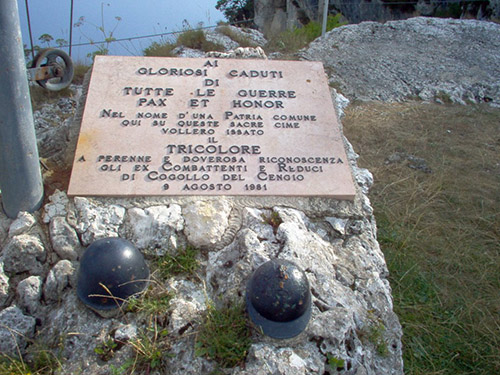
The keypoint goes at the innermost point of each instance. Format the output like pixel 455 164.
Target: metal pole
pixel 71 28
pixel 20 177
pixel 325 16
pixel 29 29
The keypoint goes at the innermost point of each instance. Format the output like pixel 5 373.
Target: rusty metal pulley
pixel 52 69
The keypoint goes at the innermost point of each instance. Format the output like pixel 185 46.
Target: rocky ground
pixel 333 241
pixel 420 58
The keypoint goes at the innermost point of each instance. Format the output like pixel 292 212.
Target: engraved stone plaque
pixel 177 126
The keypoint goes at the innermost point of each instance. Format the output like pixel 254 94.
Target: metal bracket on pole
pixel 20 177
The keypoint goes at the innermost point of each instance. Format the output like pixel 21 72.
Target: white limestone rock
pixel 96 221
pixel 229 269
pixel 225 41
pixel 265 358
pixel 206 222
pixel 125 332
pixel 154 228
pixel 24 253
pixel 68 317
pixel 338 224
pixel 188 304
pixel 4 287
pixel 29 294
pixel 57 206
pixel 182 51
pixel 4 225
pixel 240 52
pixel 183 359
pixel 64 239
pixel 347 275
pixel 15 330
pixel 419 57
pixel 23 223
pixel 340 102
pixel 229 36
pixel 58 278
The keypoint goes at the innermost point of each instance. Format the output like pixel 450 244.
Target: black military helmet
pixel 278 299
pixel 111 267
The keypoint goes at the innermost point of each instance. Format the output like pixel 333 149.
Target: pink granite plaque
pixel 177 126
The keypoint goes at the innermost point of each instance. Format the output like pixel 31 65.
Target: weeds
pixel 163 49
pixel 154 301
pixel 224 335
pixel 438 231
pixel 79 73
pixel 108 36
pixel 335 363
pixel 273 220
pixel 291 41
pixel 195 38
pixel 106 350
pixel 236 36
pixel 40 96
pixel 13 366
pixel 190 38
pixel 149 350
pixel 184 262
pixel 44 362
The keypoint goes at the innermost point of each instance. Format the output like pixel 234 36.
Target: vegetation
pixel 439 231
pixel 42 362
pixel 224 335
pixel 236 11
pixel 195 38
pixel 335 363
pixel 40 96
pixel 290 41
pixel 151 350
pixel 184 262
pixel 163 49
pixel 237 37
pixel 190 38
pixel 79 72
pixel 273 220
pixel 108 36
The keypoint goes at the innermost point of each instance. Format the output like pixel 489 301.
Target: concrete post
pixel 20 176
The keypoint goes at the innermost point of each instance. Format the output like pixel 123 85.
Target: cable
pixel 29 28
pixel 149 36
pixel 70 45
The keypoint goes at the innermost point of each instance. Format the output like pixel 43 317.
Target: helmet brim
pixel 279 330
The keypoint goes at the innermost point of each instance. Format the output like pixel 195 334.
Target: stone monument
pixel 169 126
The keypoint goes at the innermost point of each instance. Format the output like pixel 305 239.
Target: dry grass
pixel 440 231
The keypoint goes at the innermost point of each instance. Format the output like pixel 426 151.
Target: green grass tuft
pixel 273 220
pixel 237 37
pixel 190 38
pixel 291 41
pixel 335 363
pixel 224 335
pixel 184 262
pixel 163 49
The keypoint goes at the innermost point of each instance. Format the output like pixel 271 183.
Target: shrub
pixel 242 40
pixel 163 49
pixel 297 38
pixel 195 38
pixel 190 38
pixel 80 71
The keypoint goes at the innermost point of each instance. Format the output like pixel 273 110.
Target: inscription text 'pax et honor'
pixel 205 126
